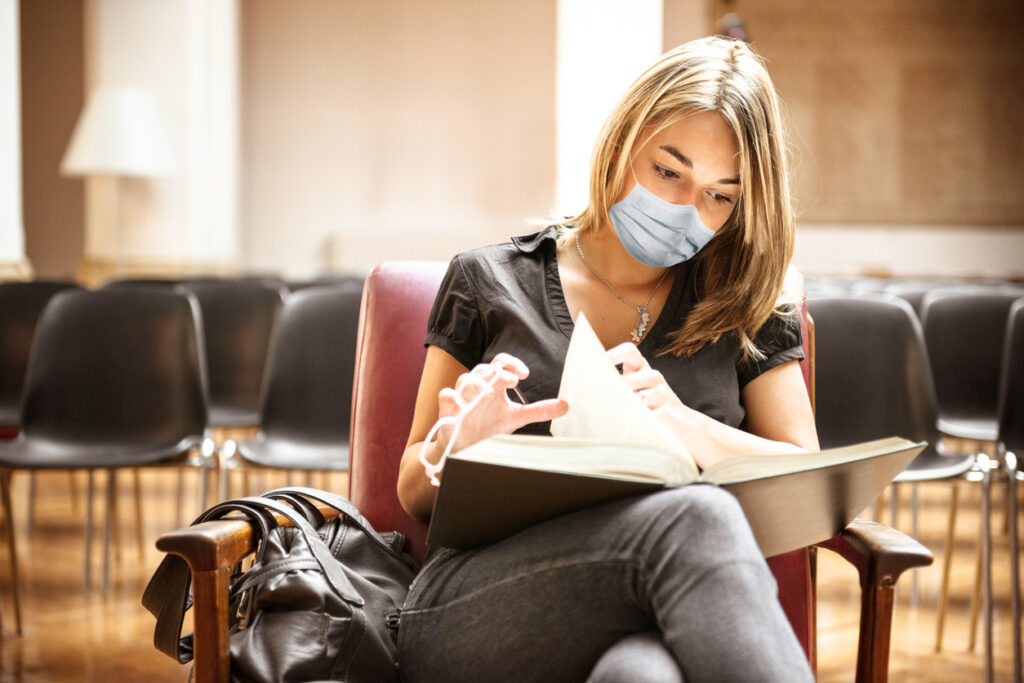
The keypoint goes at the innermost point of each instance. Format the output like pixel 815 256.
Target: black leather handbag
pixel 320 601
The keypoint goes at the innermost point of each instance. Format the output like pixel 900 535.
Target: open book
pixel 610 446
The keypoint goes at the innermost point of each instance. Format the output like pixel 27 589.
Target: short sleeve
pixel 780 341
pixel 454 324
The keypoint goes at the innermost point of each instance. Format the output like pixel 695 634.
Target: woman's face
pixel 693 161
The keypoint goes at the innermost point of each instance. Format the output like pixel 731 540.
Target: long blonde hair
pixel 739 275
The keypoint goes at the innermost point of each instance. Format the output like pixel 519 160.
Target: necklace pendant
pixel 641 324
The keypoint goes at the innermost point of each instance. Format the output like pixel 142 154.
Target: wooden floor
pixel 75 636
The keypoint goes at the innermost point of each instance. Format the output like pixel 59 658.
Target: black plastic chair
pixel 914 291
pixel 144 282
pixel 237 320
pixel 114 381
pixel 1010 450
pixel 21 304
pixel 874 380
pixel 307 396
pixel 964 329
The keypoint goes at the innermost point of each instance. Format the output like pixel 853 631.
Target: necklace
pixel 643 318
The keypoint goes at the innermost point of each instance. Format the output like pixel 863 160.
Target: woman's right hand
pixel 446 389
pixel 483 394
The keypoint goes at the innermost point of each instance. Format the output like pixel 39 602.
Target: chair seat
pixel 296 455
pixel 931 466
pixel 233 416
pixel 977 428
pixel 39 453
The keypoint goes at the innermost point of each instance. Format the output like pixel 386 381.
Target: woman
pixel 678 261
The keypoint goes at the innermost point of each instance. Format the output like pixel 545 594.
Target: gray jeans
pixel 547 603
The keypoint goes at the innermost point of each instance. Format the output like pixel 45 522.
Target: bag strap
pixel 167 594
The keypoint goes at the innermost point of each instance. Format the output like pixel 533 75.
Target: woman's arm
pixel 779 417
pixel 443 380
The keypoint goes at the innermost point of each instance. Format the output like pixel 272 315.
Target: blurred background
pixel 304 138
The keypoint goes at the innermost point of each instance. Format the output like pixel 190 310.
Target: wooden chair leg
pixel 12 549
pixel 212 657
pixel 947 563
pixel 108 527
pixel 87 571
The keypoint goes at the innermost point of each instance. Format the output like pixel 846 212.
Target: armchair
pixel 389 357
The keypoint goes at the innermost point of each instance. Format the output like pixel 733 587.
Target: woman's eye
pixel 720 198
pixel 664 172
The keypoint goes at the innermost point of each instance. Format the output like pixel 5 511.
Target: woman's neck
pixel 609 258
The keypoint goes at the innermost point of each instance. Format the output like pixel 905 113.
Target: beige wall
pixel 905 112
pixel 51 98
pixel 395 130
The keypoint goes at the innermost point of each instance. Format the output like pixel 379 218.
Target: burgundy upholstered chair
pixel 389 360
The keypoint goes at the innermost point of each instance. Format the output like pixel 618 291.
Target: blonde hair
pixel 739 275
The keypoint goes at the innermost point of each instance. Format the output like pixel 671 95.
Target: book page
pixel 601 406
pixel 747 467
pixel 580 456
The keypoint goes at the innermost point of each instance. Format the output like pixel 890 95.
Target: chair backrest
pixel 237 321
pixel 389 361
pixel 872 374
pixel 21 305
pixel 307 392
pixel 964 330
pixel 115 367
pixel 1011 391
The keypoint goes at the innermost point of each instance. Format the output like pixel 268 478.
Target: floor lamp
pixel 120 134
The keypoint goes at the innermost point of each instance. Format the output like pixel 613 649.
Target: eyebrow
pixel 682 158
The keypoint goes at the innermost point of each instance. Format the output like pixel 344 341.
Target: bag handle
pixel 339 503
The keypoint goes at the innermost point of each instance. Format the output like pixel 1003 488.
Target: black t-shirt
pixel 508 298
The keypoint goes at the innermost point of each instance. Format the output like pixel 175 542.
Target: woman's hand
pixel 483 394
pixel 655 393
pixel 776 402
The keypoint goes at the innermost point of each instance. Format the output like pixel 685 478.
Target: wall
pixel 52 95
pixel 908 122
pixel 397 130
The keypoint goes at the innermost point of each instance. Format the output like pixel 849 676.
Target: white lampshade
pixel 120 132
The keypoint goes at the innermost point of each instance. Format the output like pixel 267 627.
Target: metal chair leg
pixel 947 563
pixel 986 540
pixel 1010 460
pixel 12 550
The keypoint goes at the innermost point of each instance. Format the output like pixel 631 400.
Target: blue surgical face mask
pixel 657 233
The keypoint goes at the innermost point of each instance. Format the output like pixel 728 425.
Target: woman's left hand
pixel 656 394
pixel 646 382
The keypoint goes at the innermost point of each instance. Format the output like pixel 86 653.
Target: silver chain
pixel 641 325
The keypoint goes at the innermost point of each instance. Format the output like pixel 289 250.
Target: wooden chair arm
pixel 880 554
pixel 211 550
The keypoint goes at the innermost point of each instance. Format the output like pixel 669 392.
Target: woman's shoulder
pixel 519 249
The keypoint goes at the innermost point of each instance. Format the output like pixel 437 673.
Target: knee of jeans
pixel 709 505
pixel 641 658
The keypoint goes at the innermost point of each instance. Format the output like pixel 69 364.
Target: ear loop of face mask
pixel 432 469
